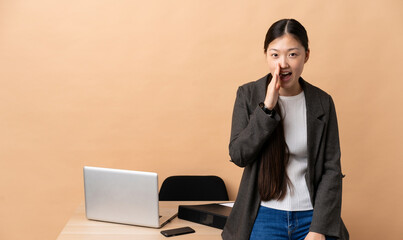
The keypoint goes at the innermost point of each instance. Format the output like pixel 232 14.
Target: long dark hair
pixel 273 179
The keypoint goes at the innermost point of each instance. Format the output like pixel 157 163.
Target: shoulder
pixel 318 101
pixel 254 88
pixel 311 89
pixel 315 92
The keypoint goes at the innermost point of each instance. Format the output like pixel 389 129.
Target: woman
pixel 285 135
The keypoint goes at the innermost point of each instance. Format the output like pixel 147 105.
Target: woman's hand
pixel 315 236
pixel 273 89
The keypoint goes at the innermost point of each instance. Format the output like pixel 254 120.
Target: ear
pixel 307 55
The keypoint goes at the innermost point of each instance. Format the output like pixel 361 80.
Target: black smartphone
pixel 177 231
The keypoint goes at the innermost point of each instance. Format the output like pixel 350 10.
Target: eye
pixel 274 55
pixel 293 54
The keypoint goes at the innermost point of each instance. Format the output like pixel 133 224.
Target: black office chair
pixel 193 188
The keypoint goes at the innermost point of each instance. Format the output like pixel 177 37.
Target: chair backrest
pixel 193 188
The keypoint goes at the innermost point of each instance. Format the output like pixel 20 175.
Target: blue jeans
pixel 273 224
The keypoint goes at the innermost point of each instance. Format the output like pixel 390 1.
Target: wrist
pixel 270 112
pixel 268 106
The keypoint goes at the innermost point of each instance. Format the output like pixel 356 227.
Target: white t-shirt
pixel 295 131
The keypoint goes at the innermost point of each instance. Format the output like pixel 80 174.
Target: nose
pixel 283 62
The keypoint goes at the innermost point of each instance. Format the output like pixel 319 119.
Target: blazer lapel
pixel 315 125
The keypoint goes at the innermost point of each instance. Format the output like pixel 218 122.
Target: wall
pixel 150 85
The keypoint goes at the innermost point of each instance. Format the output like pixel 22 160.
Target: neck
pixel 291 92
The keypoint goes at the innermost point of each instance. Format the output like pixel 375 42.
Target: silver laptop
pixel 123 196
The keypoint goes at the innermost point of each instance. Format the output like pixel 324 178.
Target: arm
pixel 250 130
pixel 327 206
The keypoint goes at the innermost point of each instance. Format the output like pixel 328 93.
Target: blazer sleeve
pixel 251 127
pixel 327 203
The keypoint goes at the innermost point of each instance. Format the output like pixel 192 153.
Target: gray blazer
pixel 251 128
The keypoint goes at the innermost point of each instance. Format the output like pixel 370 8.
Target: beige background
pixel 150 85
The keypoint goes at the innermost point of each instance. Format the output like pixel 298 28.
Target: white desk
pixel 79 227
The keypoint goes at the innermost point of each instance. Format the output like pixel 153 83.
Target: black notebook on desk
pixel 213 215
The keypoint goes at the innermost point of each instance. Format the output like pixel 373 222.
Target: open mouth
pixel 285 76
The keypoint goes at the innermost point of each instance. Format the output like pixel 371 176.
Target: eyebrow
pixel 290 49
